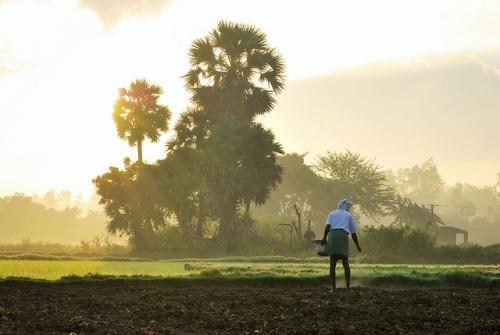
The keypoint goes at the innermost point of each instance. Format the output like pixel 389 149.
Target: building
pixel 447 235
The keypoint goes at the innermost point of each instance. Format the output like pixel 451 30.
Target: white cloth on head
pixel 345 204
pixel 342 219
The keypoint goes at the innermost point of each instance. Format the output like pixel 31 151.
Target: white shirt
pixel 342 219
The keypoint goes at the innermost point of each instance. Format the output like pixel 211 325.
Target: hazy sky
pixel 62 62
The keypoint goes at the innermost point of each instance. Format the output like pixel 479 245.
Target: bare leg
pixel 347 272
pixel 333 265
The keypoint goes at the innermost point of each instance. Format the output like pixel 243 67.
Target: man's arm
pixel 355 239
pixel 325 234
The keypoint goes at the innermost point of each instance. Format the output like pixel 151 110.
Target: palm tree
pixel 234 77
pixel 234 71
pixel 138 115
pixel 241 169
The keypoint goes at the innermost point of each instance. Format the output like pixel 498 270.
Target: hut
pixel 447 235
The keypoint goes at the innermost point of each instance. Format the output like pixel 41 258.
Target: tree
pixel 65 199
pixel 234 72
pixel 234 77
pixel 178 182
pixel 455 198
pixel 23 218
pixel 240 172
pixel 408 214
pixel 421 183
pixel 299 186
pixel 497 186
pixel 260 172
pixel 130 200
pixel 189 143
pixel 462 201
pixel 250 157
pixel 138 115
pixel 354 177
pixel 49 199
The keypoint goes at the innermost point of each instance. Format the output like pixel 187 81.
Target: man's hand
pixel 355 239
pixel 325 234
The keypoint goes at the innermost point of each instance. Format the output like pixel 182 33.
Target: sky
pixel 63 61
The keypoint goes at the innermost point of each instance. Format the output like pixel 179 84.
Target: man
pixel 339 224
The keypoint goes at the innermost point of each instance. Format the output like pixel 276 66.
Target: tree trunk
pixel 139 151
pixel 143 237
pixel 226 227
pixel 247 211
pixel 299 220
pixel 137 239
pixel 200 224
pixel 249 228
pixel 228 233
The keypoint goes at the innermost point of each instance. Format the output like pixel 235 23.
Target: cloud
pixel 5 63
pixel 4 70
pixel 111 12
pixel 10 62
pixel 443 106
pixel 487 67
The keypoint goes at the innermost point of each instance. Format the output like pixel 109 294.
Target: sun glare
pixel 62 66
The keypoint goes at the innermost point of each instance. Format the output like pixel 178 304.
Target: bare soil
pixel 155 307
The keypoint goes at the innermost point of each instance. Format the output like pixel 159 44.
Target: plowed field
pixel 155 307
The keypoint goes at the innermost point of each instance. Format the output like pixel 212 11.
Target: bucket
pixel 320 248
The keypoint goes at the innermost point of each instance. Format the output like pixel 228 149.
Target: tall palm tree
pixel 234 77
pixel 138 115
pixel 235 71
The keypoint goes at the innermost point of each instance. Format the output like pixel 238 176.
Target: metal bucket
pixel 320 248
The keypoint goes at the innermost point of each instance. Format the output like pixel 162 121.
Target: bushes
pixel 469 254
pixel 396 244
pixel 417 245
pixel 173 244
pixel 381 243
pixel 400 245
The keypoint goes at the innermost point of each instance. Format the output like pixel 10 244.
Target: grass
pixel 245 270
pixel 53 270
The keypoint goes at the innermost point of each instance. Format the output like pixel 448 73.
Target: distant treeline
pixel 62 199
pixel 21 219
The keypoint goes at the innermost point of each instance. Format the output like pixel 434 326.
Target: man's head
pixel 345 204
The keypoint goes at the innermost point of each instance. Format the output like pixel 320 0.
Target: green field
pixel 365 274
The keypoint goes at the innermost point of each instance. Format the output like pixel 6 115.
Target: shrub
pixel 396 244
